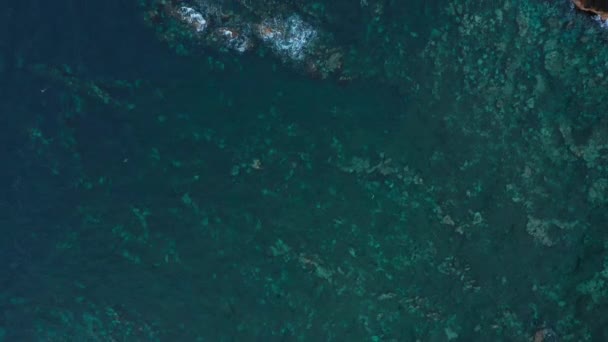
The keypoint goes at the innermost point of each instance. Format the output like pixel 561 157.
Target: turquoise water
pixel 447 182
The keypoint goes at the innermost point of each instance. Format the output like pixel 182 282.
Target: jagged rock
pixel 599 7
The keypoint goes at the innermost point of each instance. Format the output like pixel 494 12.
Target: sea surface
pixel 448 182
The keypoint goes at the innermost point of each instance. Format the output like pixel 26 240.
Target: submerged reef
pixel 315 171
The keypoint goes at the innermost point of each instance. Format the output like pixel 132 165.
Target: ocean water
pixel 430 172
